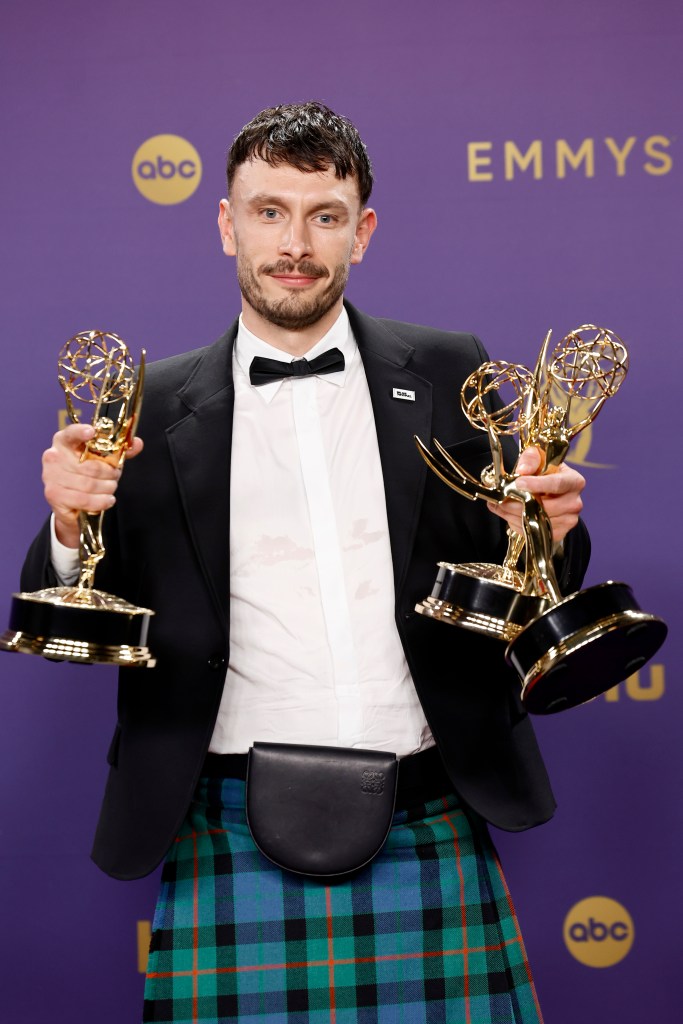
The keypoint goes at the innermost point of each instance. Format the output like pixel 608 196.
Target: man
pixel 283 528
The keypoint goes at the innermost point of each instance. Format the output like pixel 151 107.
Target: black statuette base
pixel 582 647
pixel 79 632
pixel 470 596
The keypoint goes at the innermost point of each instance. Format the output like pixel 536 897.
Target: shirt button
pixel 216 661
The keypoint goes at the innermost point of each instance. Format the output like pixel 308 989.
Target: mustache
pixel 306 268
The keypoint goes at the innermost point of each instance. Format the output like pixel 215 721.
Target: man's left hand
pixel 559 491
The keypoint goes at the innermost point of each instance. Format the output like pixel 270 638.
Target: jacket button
pixel 216 661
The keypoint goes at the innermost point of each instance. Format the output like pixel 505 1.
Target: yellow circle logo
pixel 598 931
pixel 167 169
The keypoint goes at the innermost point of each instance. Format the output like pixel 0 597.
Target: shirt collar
pixel 340 336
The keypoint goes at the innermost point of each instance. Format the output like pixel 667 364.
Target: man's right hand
pixel 72 486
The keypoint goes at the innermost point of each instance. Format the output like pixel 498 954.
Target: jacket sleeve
pixel 571 564
pixel 37 571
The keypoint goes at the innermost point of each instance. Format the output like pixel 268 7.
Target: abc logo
pixel 167 169
pixel 598 931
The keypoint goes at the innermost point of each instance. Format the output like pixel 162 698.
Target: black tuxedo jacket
pixel 168 549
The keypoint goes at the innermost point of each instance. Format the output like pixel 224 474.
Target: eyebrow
pixel 268 199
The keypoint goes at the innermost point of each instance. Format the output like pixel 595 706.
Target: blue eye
pixel 270 214
pixel 326 218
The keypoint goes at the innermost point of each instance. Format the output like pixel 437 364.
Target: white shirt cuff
pixel 65 561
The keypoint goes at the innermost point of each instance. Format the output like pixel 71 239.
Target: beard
pixel 297 311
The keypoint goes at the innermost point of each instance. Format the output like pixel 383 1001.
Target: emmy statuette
pixel 79 623
pixel 497 600
pixel 566 650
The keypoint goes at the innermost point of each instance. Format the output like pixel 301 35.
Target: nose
pixel 296 240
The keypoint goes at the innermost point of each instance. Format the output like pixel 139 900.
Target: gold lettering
pixel 62 419
pixel 666 163
pixel 477 158
pixel 635 690
pixel 144 939
pixel 517 160
pixel 620 155
pixel 564 154
pixel 514 157
pixel 652 690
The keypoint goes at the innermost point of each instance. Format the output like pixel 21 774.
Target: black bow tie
pixel 264 371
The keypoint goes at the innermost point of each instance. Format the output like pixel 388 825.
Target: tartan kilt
pixel 425 934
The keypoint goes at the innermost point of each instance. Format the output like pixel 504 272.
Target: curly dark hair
pixel 310 137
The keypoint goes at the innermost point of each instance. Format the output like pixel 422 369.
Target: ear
pixel 226 228
pixel 364 229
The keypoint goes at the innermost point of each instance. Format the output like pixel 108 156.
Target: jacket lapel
pixel 385 359
pixel 200 446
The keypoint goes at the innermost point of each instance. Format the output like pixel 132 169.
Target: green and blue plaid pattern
pixel 426 934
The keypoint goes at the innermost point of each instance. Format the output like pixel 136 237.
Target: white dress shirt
pixel 315 655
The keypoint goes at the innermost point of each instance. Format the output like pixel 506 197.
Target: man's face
pixel 295 235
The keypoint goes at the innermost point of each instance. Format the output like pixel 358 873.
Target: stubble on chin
pixel 293 312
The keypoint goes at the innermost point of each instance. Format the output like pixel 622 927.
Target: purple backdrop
pixel 478 244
